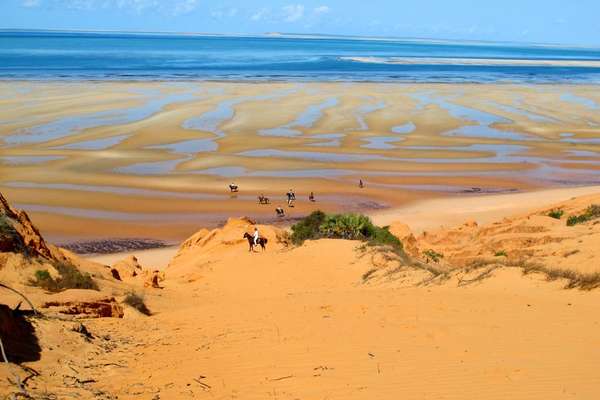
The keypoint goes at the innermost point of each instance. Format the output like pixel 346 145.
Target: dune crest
pixel 532 238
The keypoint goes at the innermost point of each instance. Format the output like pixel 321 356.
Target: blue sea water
pixel 125 56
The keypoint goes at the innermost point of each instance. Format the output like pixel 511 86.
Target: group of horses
pixel 264 200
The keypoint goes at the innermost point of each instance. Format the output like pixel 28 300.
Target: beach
pixel 299 216
pixel 104 160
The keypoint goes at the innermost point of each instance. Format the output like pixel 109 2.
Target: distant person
pixel 290 197
pixel 311 197
pixel 233 187
pixel 361 184
pixel 280 212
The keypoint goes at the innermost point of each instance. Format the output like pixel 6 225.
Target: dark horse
pixel 261 241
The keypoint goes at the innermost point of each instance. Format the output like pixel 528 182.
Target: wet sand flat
pixel 125 155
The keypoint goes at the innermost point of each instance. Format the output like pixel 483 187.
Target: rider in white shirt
pixel 255 236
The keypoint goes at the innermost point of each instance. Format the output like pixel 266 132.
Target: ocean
pixel 42 55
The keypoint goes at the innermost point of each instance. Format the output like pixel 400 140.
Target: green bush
pixel 70 278
pixel 383 237
pixel 591 213
pixel 501 253
pixel 347 226
pixel 307 228
pixel 342 226
pixel 556 214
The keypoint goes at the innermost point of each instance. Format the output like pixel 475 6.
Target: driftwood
pixel 17 382
pixel 22 295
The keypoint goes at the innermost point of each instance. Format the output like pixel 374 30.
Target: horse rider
pixel 256 236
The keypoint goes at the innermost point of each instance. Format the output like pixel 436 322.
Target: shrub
pixel 307 228
pixel 343 226
pixel 136 301
pixel 433 255
pixel 383 237
pixel 501 253
pixel 70 278
pixel 347 226
pixel 556 214
pixel 592 212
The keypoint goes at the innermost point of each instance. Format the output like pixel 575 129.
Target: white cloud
pixel 31 3
pixel 293 12
pixel 184 6
pixel 261 14
pixel 175 7
pixel 321 10
pixel 224 13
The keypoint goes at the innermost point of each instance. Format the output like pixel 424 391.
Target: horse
pixel 261 241
pixel 263 200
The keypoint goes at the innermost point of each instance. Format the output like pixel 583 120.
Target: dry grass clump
pixel 591 213
pixel 575 280
pixel 432 255
pixel 136 301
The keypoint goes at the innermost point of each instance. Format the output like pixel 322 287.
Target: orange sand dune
pixel 335 319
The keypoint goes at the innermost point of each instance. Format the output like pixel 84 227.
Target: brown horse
pixel 261 241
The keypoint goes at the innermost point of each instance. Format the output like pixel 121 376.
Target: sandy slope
pixel 308 323
pixel 448 212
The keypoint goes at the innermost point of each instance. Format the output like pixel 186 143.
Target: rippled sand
pixel 146 159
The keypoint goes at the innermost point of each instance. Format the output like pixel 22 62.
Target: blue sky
pixel 549 21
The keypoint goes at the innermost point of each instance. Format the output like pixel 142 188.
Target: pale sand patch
pixel 154 258
pixel 430 214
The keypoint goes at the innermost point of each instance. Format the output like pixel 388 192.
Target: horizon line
pixel 300 36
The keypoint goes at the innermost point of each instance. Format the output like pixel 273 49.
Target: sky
pixel 540 21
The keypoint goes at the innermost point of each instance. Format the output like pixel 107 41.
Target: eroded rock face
pixel 128 267
pixel 101 308
pixel 24 236
pixel 409 242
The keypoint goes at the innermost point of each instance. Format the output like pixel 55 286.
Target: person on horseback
pixel 256 236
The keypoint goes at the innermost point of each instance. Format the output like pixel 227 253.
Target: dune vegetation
pixel 591 213
pixel 319 225
pixel 70 278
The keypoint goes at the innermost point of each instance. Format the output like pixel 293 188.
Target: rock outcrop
pixel 128 267
pixel 84 304
pixel 18 234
